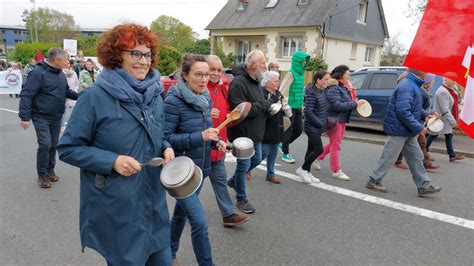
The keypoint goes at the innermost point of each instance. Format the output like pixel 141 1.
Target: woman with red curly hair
pixel 116 124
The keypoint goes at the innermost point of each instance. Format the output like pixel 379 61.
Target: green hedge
pixel 24 51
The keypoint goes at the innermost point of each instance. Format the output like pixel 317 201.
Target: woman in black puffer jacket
pixel 315 113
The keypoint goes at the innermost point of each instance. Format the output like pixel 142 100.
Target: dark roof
pixel 285 14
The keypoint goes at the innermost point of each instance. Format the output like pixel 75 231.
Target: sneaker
pixel 272 179
pixel 304 175
pixel 313 179
pixel 234 220
pixel 341 176
pixel 456 158
pixel 317 164
pixel 245 206
pixel 43 183
pixel 401 166
pixel 375 186
pixel 429 190
pixel 286 157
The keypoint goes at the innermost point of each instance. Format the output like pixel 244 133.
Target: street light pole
pixel 35 17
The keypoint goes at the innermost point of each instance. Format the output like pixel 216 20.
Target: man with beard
pixel 245 88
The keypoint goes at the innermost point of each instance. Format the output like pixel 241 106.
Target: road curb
pixel 382 142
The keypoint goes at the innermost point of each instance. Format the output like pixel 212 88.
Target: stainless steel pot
pixel 242 148
pixel 287 110
pixel 181 177
pixel 274 108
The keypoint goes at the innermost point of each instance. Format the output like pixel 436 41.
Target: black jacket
pixel 244 88
pixel 315 110
pixel 45 93
pixel 274 123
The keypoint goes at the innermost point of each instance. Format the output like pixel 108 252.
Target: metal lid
pixel 242 143
pixel 177 171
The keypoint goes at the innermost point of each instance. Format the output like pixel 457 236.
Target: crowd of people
pixel 122 118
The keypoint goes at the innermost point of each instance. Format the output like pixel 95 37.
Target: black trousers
pixel 294 131
pixel 47 134
pixel 314 149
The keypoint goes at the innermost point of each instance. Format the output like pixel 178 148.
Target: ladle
pixel 154 162
pixel 234 115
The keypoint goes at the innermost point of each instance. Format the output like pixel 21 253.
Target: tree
pixel 25 51
pixel 416 8
pixel 173 32
pixel 316 64
pixel 202 46
pixel 169 59
pixel 393 51
pixel 88 45
pixel 53 26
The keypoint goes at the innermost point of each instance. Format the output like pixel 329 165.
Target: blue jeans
pixel 270 152
pixel 190 208
pixel 448 138
pixel 159 258
pixel 218 180
pixel 47 134
pixel 413 155
pixel 244 166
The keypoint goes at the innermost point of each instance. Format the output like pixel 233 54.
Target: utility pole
pixel 35 17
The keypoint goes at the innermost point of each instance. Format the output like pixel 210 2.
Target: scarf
pixel 68 72
pixel 350 88
pixel 126 88
pixel 455 111
pixel 199 102
pixel 91 73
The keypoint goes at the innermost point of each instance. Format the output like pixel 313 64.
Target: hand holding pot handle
pixel 168 155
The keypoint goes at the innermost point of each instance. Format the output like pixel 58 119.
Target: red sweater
pixel 218 93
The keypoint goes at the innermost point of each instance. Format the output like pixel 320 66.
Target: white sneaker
pixel 341 176
pixel 317 164
pixel 313 179
pixel 304 175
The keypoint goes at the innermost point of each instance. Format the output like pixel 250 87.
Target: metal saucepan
pixel 434 125
pixel 274 108
pixel 242 148
pixel 244 108
pixel 181 177
pixel 365 110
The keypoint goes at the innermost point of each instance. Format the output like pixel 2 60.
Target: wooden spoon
pixel 234 115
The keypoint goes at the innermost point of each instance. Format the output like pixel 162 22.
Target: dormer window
pixel 271 3
pixel 242 5
pixel 362 16
pixel 302 2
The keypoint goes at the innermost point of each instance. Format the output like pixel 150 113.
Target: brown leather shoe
pixel 43 183
pixel 234 220
pixel 431 167
pixel 401 166
pixel 54 178
pixel 456 158
pixel 248 175
pixel 274 180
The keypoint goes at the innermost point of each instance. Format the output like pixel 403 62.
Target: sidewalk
pixel 462 144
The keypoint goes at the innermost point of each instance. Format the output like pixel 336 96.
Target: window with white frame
pixel 369 54
pixel 354 50
pixel 289 45
pixel 242 49
pixel 362 16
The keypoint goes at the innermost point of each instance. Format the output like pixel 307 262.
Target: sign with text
pixel 10 82
pixel 70 46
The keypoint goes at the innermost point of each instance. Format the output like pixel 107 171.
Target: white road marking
pixel 8 110
pixel 469 224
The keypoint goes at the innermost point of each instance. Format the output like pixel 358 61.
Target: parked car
pixel 376 85
pixel 171 79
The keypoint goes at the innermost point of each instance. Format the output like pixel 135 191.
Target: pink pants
pixel 334 146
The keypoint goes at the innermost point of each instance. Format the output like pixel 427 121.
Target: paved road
pixel 295 224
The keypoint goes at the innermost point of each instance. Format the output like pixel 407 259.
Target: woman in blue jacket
pixel 116 124
pixel 315 113
pixel 189 130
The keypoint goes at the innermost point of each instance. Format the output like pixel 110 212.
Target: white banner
pixel 10 82
pixel 70 46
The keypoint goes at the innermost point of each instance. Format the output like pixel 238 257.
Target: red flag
pixel 39 56
pixel 445 31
